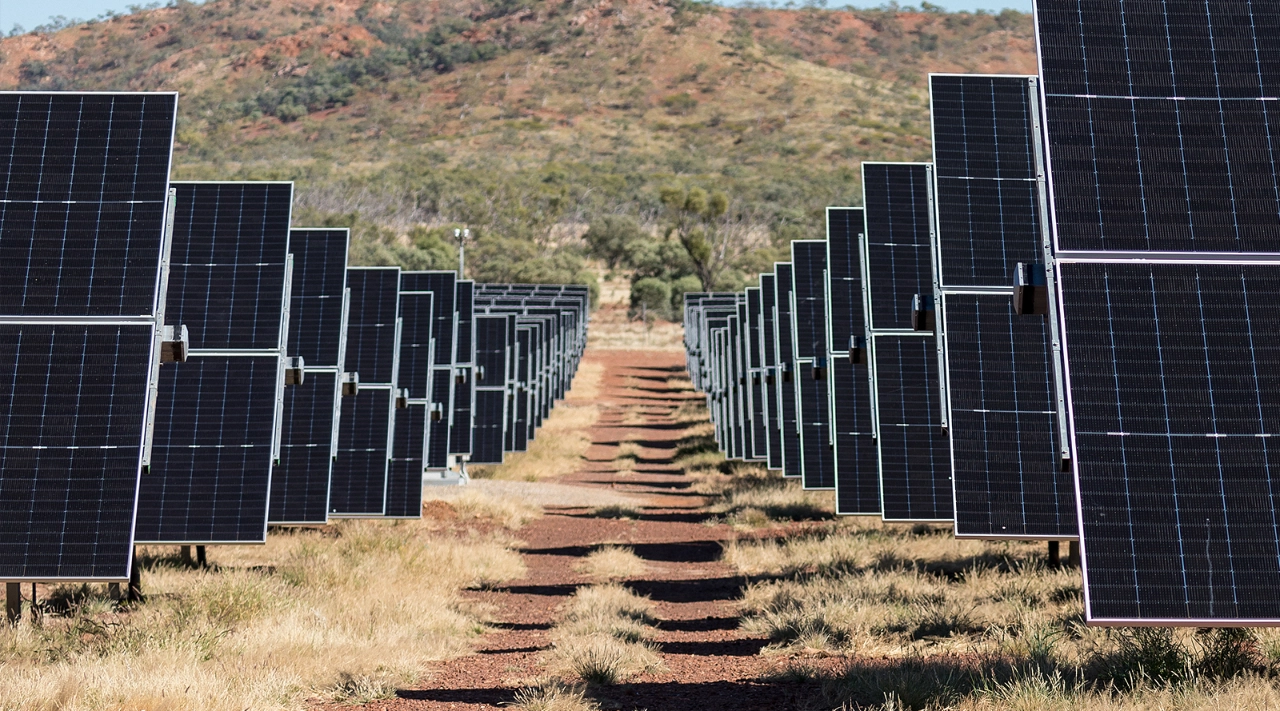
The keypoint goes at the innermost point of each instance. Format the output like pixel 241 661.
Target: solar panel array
pixel 1065 317
pixel 1164 208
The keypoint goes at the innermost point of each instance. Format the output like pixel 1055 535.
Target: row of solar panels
pixel 1065 326
pixel 294 388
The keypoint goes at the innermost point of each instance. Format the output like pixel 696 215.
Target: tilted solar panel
pixel 857 476
pixel 1001 418
pixel 464 379
pixel 787 394
pixel 308 445
pixel 752 348
pixel 82 236
pixel 772 376
pixel 1165 200
pixel 408 455
pixel 413 378
pixel 809 326
pixel 491 356
pixel 317 333
pixel 212 452
pixel 366 428
pixel 218 417
pixel 896 260
pixel 84 201
pixel 442 285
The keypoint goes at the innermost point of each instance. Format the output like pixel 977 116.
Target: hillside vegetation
pixel 529 119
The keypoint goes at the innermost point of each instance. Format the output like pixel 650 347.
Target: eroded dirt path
pixel 710 664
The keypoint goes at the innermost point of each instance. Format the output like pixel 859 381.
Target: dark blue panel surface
pixel 72 429
pixel 898 250
pixel 1172 372
pixel 371 327
pixel 82 208
pixel 857 474
pixel 404 471
pixel 211 455
pixel 228 262
pixel 300 482
pixel 316 295
pixel 359 481
pixel 915 466
pixel 844 235
pixel 817 454
pixel 786 377
pixel 464 355
pixel 490 413
pixel 772 387
pixel 808 280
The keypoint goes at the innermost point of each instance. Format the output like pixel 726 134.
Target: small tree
pixel 653 294
pixel 610 236
pixel 695 219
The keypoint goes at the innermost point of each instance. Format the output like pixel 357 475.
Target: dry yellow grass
pixel 553 695
pixel 509 511
pixel 602 637
pixel 611 563
pixel 627 456
pixel 928 621
pixel 309 615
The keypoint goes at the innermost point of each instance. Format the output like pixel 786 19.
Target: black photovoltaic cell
pixel 737 391
pixel 815 431
pixel 491 351
pixel 464 355
pixel 404 470
pixel 808 280
pixel 844 233
pixel 443 287
pixel 987 193
pixel 317 291
pixel 371 327
pixel 211 454
pixel 438 430
pixel 82 208
pixel 490 413
pixel 417 319
pixel 915 468
pixel 300 482
pixel 786 378
pixel 520 433
pixel 1171 370
pixel 1002 424
pixel 857 477
pixel 898 251
pixel 227 266
pixel 772 388
pixel 1007 481
pixel 359 481
pixel 1158 140
pixel 72 426
pixel 755 379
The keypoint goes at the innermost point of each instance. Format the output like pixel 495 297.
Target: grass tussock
pixel 559 448
pixel 623 511
pixel 627 457
pixel 926 621
pixel 602 637
pixel 311 614
pixel 612 563
pixel 553 696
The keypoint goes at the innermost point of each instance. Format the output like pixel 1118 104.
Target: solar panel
pixel 772 376
pixel 915 469
pixel 317 333
pixel 857 476
pixel 413 379
pixel 442 286
pixel 1000 388
pixel 491 391
pixel 87 176
pixel 219 414
pixel 787 394
pixel 1164 197
pixel 408 454
pixel 82 240
pixel 809 326
pixel 464 379
pixel 752 349
pixel 523 395
pixel 359 482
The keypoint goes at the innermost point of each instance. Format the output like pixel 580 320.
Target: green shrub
pixel 610 236
pixel 653 294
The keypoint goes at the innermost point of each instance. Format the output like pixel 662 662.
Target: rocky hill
pixel 527 118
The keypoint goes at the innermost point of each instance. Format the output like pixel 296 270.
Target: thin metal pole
pixel 134 592
pixel 1073 553
pixel 13 602
pixel 185 553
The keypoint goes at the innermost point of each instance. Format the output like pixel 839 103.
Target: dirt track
pixel 710 665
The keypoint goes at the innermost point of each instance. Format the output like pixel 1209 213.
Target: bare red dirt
pixel 710 664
